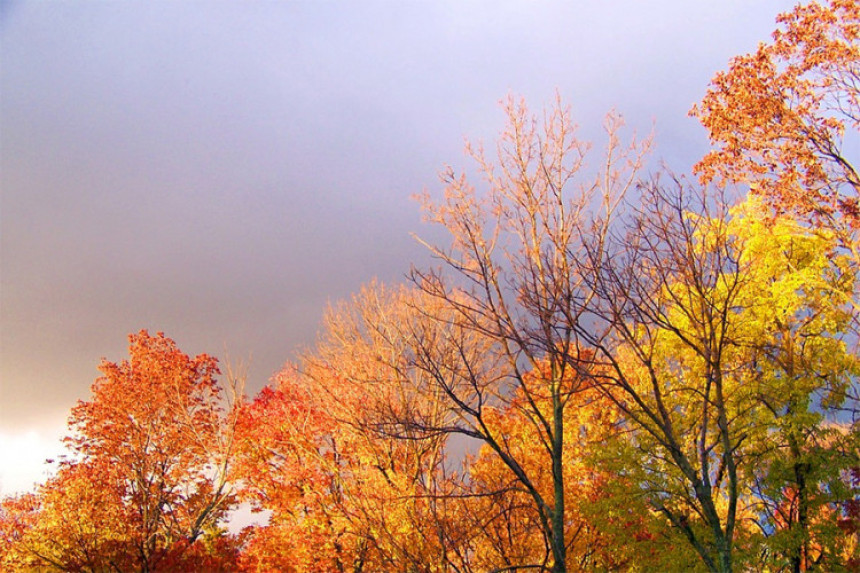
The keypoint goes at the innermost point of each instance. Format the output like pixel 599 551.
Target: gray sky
pixel 220 171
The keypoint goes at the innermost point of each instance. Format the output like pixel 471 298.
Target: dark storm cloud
pixel 220 171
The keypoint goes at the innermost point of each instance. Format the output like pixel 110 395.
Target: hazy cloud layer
pixel 220 171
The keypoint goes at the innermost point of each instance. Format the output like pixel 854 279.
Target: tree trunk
pixel 559 549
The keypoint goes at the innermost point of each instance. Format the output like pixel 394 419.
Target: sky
pixel 223 171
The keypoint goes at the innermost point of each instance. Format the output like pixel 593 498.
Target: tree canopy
pixel 606 370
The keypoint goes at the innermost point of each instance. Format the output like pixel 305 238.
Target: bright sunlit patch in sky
pixel 22 458
pixel 243 516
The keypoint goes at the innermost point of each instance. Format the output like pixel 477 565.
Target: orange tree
pixel 146 489
pixel 779 117
pixel 341 495
pixel 507 289
pixel 607 527
pixel 445 358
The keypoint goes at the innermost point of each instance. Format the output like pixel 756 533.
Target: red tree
pixel 146 489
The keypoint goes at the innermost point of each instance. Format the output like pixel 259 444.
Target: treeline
pixel 651 373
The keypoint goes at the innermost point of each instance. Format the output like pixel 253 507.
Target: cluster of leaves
pixel 146 486
pixel 779 117
pixel 605 373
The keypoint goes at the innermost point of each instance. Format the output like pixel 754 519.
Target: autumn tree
pixel 785 118
pixel 690 303
pixel 606 528
pixel 796 320
pixel 718 341
pixel 342 496
pixel 659 324
pixel 75 522
pixel 490 324
pixel 371 369
pixel 146 488
pixel 285 469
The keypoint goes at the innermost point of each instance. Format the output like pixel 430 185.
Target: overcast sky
pixel 220 171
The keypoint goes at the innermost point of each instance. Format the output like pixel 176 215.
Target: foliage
pixel 147 487
pixel 342 497
pixel 604 373
pixel 510 285
pixel 780 116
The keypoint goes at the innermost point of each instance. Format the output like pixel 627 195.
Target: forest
pixel 608 368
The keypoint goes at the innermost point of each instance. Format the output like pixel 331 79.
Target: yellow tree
pixel 802 373
pixel 691 304
pixel 659 323
pixel 784 120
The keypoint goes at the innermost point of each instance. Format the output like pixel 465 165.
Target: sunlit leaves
pixel 785 117
pixel 146 487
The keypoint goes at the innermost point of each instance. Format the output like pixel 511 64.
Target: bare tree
pixel 495 319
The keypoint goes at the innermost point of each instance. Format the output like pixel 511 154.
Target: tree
pixel 779 117
pixel 659 324
pixel 494 324
pixel 684 314
pixel 372 373
pixel 689 324
pixel 784 120
pixel 77 521
pixel 802 367
pixel 147 487
pixel 285 468
pixel 605 529
pixel 342 496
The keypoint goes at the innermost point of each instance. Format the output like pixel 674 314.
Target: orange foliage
pixel 341 497
pixel 147 489
pixel 779 115
pixel 506 523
